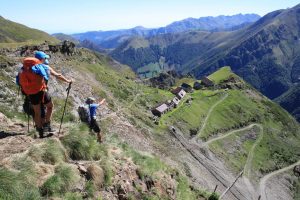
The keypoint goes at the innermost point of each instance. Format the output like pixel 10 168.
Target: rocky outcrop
pixel 164 80
pixel 66 47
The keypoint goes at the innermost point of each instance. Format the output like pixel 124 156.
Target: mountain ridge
pixel 14 32
pixel 219 23
pixel 268 45
pixel 206 140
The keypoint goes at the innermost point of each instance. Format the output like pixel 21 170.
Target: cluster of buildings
pixel 179 93
pixel 170 104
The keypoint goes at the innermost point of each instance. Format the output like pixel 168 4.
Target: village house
pixel 176 101
pixel 159 110
pixel 179 92
pixel 207 82
pixel 173 103
pixel 186 87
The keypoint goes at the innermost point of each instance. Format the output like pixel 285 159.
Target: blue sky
pixel 71 16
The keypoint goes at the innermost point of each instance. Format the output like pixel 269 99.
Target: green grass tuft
pixel 16 186
pixel 51 152
pixel 61 182
pixel 83 146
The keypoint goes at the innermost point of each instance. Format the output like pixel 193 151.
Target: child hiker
pixel 93 106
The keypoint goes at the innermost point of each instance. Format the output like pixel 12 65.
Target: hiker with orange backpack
pixel 43 57
pixel 33 78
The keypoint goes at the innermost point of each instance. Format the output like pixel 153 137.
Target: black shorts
pixel 40 97
pixel 94 126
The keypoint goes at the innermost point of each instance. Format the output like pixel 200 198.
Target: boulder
pixel 96 174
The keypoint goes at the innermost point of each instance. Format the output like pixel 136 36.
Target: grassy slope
pixel 290 100
pixel 122 92
pixel 235 149
pixel 13 32
pixel 281 140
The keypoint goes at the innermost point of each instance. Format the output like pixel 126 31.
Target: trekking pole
pixel 19 90
pixel 62 117
pixel 27 123
pixel 28 116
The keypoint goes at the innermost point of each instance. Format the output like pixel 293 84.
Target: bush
pixel 61 182
pixel 90 189
pixel 15 186
pixel 108 172
pixel 213 196
pixel 82 146
pixel 73 196
pixel 51 152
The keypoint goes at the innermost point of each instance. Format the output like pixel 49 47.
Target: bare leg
pixel 37 115
pixel 49 110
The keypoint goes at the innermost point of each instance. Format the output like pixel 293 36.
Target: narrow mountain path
pixel 123 108
pixel 247 167
pixel 264 180
pixel 208 115
pixel 216 172
pixel 230 133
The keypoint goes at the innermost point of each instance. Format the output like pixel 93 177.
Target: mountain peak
pixel 139 27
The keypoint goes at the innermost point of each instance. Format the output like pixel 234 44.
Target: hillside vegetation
pixel 139 160
pixel 240 126
pixel 11 32
pixel 265 53
pixel 52 167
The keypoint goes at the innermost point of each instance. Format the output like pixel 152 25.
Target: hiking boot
pixel 47 127
pixel 40 131
pixel 99 138
pixel 49 135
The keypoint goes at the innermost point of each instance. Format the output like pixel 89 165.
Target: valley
pixel 216 78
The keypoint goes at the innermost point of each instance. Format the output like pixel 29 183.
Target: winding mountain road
pixel 230 133
pixel 216 172
pixel 263 181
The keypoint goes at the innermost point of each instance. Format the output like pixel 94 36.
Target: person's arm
pixel 101 102
pixel 59 76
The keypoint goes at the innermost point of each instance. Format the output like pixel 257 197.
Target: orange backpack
pixel 31 83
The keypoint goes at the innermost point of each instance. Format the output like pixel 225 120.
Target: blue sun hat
pixel 41 55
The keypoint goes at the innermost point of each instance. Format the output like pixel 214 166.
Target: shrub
pixel 82 146
pixel 15 186
pixel 90 189
pixel 108 172
pixel 51 152
pixel 213 196
pixel 73 196
pixel 61 182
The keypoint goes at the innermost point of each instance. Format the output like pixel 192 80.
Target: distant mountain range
pixel 111 39
pixel 266 53
pixel 210 137
pixel 14 32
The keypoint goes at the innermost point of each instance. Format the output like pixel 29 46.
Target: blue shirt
pixel 93 110
pixel 41 69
